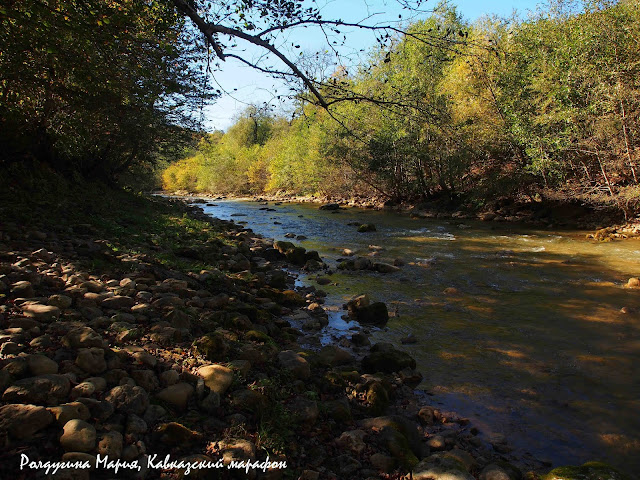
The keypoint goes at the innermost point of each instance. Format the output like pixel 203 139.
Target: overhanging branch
pixel 209 30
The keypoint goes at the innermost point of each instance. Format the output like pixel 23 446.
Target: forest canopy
pixel 96 87
pixel 103 87
pixel 547 105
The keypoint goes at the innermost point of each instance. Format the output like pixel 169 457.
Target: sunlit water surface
pixel 533 345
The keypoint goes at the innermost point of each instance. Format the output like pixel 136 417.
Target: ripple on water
pixel 554 299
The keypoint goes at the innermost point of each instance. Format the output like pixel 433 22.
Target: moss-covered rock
pixel 400 436
pixel 239 322
pixel 377 398
pixel 312 266
pixel 339 410
pixel 290 298
pixel 387 361
pixel 332 382
pixel 331 356
pixel 313 256
pixel 367 227
pixel 258 336
pixel 500 470
pixel 297 256
pixel 213 346
pixel 250 311
pixel 399 448
pixel 346 265
pixel 588 471
pixel 374 314
pixel 440 466
pixel 176 434
pixel 277 279
pixel 282 247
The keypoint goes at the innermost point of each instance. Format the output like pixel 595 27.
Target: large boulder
pixel 387 360
pixel 500 471
pixel 441 466
pixel 70 411
pixel 400 436
pixel 41 365
pixel 212 346
pixel 332 356
pixel 23 289
pixel 363 311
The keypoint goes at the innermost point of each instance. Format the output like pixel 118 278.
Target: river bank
pixel 134 327
pixel 607 225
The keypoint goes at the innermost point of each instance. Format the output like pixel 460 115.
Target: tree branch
pixel 209 29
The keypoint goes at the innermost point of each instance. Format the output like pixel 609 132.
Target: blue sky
pixel 255 87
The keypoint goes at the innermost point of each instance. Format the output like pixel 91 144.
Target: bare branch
pixel 258 67
pixel 209 30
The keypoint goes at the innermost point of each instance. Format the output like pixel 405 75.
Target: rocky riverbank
pixel 605 224
pixel 140 329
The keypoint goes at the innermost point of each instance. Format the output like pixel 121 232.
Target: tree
pixel 265 23
pixel 96 86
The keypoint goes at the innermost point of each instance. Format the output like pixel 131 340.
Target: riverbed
pixel 530 334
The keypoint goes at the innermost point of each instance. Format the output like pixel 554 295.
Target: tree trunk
pixel 604 174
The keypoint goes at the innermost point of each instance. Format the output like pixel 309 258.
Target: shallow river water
pixel 533 343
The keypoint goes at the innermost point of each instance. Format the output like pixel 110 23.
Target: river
pixel 522 331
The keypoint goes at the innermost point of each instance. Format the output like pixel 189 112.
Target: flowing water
pixel 533 342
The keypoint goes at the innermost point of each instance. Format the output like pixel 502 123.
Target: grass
pixel 128 223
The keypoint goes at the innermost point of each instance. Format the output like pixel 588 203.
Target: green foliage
pixel 96 87
pixel 260 154
pixel 500 107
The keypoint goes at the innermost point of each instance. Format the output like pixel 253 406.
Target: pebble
pixel 110 445
pixel 23 421
pixel 295 364
pixel 176 395
pixel 40 390
pixel 128 399
pixel 43 313
pixel 70 411
pixel 169 377
pixel 78 436
pixel 91 360
pixel 217 377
